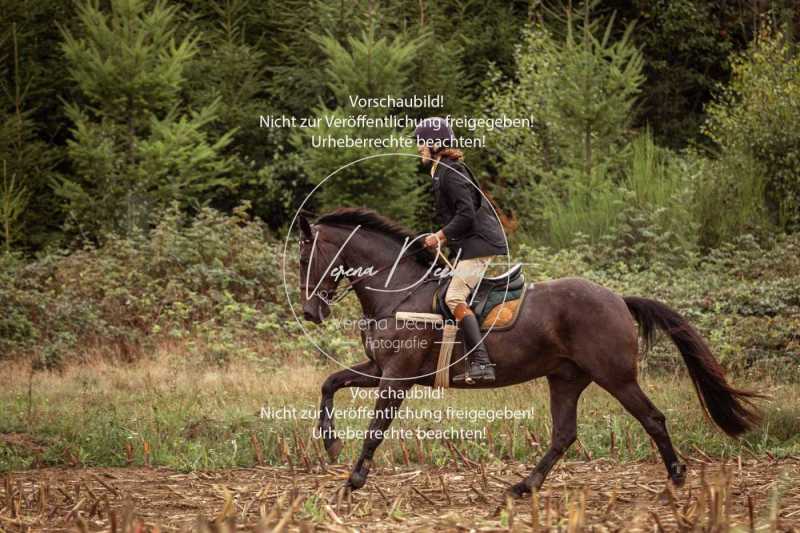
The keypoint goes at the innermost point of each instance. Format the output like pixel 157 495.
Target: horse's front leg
pixel 364 374
pixel 390 397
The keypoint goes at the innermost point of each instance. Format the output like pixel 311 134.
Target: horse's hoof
pixel 678 474
pixel 356 481
pixel 334 449
pixel 519 490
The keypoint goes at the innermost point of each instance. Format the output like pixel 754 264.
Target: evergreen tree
pixel 14 198
pixel 579 89
pixel 460 41
pixel 136 147
pixel 368 67
pixel 296 82
pixel 230 69
pixel 27 161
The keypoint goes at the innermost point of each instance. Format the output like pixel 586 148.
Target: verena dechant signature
pixel 339 271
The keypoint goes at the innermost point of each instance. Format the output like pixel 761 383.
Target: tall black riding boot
pixel 480 369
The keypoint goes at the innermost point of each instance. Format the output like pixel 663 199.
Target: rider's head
pixel 433 135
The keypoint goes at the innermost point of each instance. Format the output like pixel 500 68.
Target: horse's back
pixel 573 297
pixel 591 324
pixel 564 319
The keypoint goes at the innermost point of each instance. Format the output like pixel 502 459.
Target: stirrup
pixel 480 375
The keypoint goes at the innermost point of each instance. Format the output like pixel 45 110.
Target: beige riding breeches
pixel 467 274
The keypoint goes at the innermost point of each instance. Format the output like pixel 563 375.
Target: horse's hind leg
pixel 631 396
pixel 564 393
pixel 364 374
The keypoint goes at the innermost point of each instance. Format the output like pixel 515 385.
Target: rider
pixel 469 228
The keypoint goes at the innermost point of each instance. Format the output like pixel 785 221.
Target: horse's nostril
pixel 308 316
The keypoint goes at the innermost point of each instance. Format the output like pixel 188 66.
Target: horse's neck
pixel 375 294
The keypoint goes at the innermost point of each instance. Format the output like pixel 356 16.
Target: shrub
pixel 643 216
pixel 211 285
pixel 16 326
pixel 729 198
pixel 211 270
pixel 743 297
pixel 754 121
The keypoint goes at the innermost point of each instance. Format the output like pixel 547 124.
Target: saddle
pixel 495 301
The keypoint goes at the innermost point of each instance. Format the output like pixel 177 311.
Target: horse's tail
pixel 730 408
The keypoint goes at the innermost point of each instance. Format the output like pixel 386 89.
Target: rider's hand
pixel 434 238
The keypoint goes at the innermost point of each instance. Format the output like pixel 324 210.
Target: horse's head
pixel 317 285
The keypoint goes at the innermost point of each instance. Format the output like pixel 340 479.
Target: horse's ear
pixel 305 228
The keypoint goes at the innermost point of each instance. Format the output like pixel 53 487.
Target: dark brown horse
pixel 571 331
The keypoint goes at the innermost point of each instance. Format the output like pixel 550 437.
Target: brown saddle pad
pixel 503 316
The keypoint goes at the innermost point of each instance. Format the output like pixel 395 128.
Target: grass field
pixel 171 438
pixel 175 412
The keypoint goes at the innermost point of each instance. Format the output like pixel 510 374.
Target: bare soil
pixel 601 495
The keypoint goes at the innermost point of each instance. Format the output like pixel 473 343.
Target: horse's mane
pixel 372 220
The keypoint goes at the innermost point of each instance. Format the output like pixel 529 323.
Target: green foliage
pixel 652 207
pixel 117 61
pixel 288 26
pixel 580 90
pixel 388 184
pixel 594 93
pixel 14 198
pixel 742 297
pixel 230 72
pixel 647 216
pixel 686 44
pixel 241 59
pixel 578 174
pixel 369 67
pixel 657 219
pixel 730 198
pixel 187 276
pixel 134 150
pixel 16 325
pixel 753 121
pixel 228 68
pixel 27 161
pixel 212 284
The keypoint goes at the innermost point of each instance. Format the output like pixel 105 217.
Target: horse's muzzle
pixel 312 317
pixel 315 311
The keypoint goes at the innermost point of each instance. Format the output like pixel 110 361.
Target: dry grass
pixel 602 495
pixel 168 410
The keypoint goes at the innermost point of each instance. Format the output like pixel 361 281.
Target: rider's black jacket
pixel 468 221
